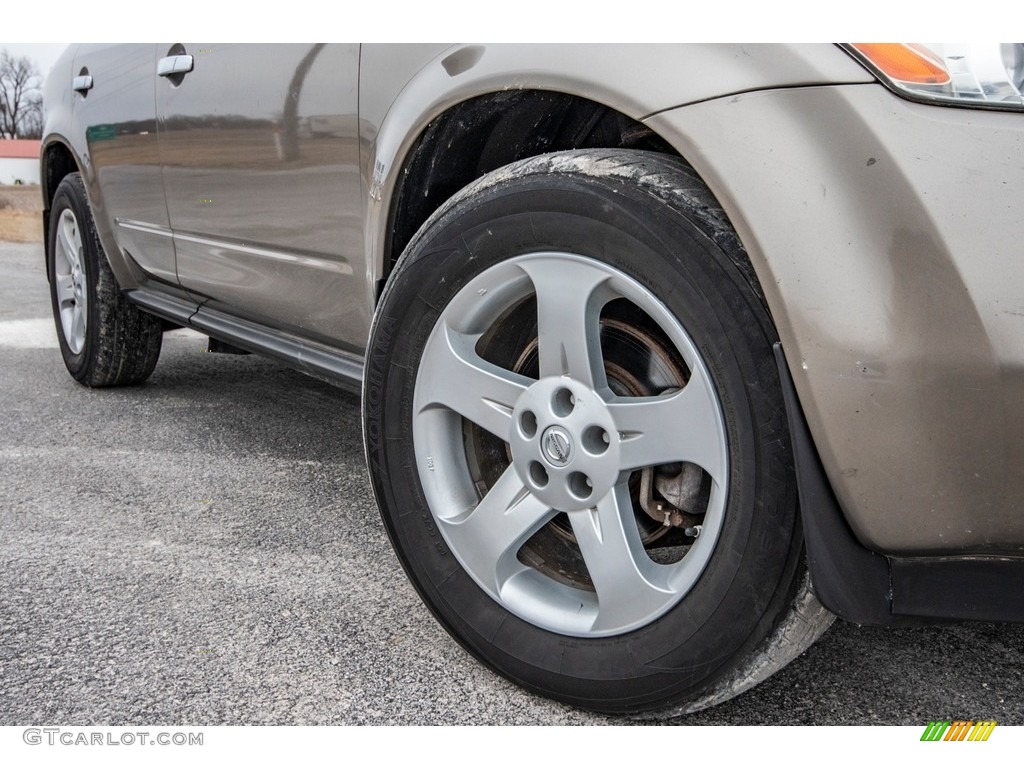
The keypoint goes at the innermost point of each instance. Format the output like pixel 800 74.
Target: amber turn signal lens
pixel 907 63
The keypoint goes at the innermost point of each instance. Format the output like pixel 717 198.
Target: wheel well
pixel 488 132
pixel 58 162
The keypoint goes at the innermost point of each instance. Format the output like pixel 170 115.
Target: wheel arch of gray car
pixel 597 90
pixel 494 130
pixel 56 160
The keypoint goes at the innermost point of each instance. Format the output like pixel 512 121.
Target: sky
pixel 45 55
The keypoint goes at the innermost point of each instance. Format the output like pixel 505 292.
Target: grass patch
pixel 21 209
pixel 21 227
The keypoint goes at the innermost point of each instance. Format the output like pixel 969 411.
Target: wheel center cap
pixel 564 444
pixel 557 446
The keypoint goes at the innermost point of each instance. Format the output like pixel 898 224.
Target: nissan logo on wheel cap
pixel 557 446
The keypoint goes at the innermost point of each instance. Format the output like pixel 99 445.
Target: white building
pixel 19 161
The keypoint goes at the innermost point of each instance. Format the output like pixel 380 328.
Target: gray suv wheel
pixel 577 439
pixel 104 340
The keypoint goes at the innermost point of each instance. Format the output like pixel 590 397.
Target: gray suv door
pixel 114 106
pixel 260 153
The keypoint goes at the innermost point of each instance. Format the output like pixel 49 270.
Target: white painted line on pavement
pixel 29 334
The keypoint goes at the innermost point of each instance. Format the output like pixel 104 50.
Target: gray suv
pixel 668 354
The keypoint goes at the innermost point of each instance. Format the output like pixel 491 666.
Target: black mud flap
pixel 867 587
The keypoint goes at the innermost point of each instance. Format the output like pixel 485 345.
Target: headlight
pixel 965 74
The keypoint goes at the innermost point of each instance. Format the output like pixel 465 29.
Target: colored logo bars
pixel 959 730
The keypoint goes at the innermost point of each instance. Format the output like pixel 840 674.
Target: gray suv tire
pixel 104 339
pixel 577 438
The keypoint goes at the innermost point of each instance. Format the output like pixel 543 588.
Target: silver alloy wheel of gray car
pixel 104 339
pixel 575 432
pixel 573 445
pixel 70 278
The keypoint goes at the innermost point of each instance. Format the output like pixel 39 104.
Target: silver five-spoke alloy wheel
pixel 575 432
pixel 573 446
pixel 104 339
pixel 70 281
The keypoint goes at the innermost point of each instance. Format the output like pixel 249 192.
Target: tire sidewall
pixel 670 254
pixel 71 196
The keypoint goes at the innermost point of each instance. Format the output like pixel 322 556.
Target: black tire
pixel 682 313
pixel 105 340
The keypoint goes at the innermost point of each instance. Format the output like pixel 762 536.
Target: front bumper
pixel 885 236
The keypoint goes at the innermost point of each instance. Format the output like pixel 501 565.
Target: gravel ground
pixel 204 549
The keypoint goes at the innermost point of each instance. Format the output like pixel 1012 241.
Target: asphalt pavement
pixel 205 550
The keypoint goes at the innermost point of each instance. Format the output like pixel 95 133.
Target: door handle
pixel 174 65
pixel 82 83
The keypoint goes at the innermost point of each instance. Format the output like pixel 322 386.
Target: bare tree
pixel 21 100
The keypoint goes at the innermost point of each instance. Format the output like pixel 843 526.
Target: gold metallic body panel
pixel 885 234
